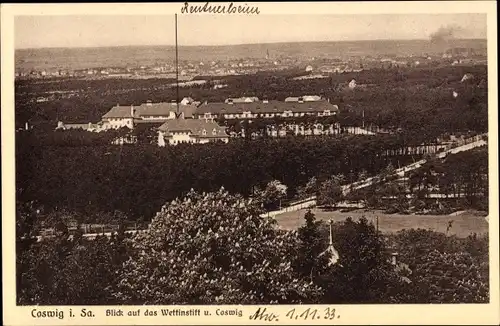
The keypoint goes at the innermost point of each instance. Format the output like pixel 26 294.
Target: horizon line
pixel 235 44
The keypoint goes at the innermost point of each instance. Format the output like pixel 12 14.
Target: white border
pixel 350 314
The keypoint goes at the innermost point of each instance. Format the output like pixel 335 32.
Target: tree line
pixel 462 179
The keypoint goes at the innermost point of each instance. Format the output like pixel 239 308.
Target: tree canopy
pixel 213 249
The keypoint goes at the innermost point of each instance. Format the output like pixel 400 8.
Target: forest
pixel 98 178
pixel 95 176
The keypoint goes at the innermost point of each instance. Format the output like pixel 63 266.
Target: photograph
pixel 219 155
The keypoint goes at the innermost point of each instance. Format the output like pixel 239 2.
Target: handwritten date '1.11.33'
pixel 296 314
pixel 312 314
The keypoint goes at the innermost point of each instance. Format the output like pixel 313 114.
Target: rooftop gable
pixel 149 109
pixel 118 112
pixel 194 126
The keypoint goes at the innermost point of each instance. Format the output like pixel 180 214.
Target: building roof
pixel 266 107
pixel 164 109
pixel 194 126
pixel 119 112
pixel 305 98
pixel 150 109
pixel 244 99
pixel 311 98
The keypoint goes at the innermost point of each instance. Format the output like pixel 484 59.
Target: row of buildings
pixel 195 122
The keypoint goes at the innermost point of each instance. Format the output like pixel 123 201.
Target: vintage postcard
pixel 230 163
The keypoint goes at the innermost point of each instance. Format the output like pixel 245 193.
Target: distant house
pixel 311 98
pixel 191 131
pixel 218 86
pixel 309 68
pixel 352 84
pixel 187 100
pixel 41 99
pixel 467 76
pixel 82 126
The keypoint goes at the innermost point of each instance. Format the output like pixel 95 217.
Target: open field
pixel 463 224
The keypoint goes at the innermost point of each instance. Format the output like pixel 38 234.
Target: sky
pixel 206 29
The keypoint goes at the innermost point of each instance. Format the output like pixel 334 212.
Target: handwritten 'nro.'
pixel 302 314
pixel 218 9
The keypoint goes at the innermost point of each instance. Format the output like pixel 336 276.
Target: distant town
pixel 316 67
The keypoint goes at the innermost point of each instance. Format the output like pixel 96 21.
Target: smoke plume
pixel 446 33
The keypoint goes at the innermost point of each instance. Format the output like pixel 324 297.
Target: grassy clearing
pixel 463 224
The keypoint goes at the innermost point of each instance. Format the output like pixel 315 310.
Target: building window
pixel 204 132
pixel 214 132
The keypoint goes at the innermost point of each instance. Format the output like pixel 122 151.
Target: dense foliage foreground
pixel 214 248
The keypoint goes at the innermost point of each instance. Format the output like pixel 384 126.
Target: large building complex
pixel 195 122
pixel 252 109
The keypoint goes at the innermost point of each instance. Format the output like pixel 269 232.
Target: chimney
pixel 26 126
pixel 230 101
pixel 173 102
pixel 132 111
pixel 301 100
pixel 149 103
pixel 60 124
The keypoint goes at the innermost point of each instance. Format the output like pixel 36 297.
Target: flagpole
pixel 176 68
